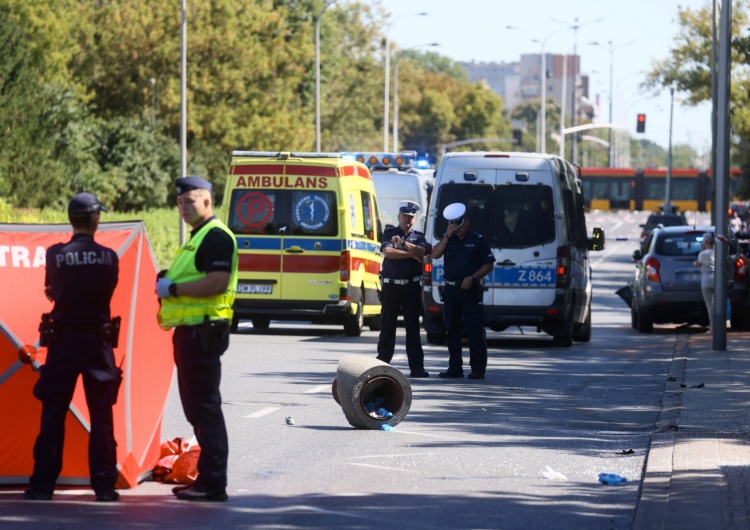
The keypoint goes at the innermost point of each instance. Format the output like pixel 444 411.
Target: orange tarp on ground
pixel 144 354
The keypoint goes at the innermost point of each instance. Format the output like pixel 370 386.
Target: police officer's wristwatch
pixel 172 289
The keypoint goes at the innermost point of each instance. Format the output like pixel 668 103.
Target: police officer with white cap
pixel 468 259
pixel 80 278
pixel 196 295
pixel 403 249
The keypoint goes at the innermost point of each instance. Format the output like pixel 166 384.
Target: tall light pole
pixel 395 90
pixel 576 70
pixel 611 92
pixel 317 74
pixel 543 87
pixel 388 73
pixel 152 82
pixel 183 107
pixel 668 198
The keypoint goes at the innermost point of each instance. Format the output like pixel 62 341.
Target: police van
pixel 397 178
pixel 530 208
pixel 307 230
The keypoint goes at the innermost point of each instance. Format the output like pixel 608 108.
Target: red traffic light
pixel 640 124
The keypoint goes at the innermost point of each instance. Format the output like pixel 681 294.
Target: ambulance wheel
pixel 374 322
pixel 261 322
pixel 353 323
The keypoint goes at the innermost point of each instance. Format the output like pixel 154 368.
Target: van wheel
pixel 234 326
pixel 261 322
pixel 583 334
pixel 633 317
pixel 436 338
pixel 375 322
pixel 565 339
pixel 353 323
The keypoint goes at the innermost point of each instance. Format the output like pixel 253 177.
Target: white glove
pixel 162 287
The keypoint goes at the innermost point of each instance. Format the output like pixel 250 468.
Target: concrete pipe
pixel 364 383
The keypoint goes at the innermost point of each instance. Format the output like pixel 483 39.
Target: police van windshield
pixel 283 212
pixel 509 216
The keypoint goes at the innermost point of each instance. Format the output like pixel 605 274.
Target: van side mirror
pixel 637 255
pixel 597 241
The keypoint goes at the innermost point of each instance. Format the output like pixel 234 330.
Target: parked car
pixel 666 287
pixel 663 219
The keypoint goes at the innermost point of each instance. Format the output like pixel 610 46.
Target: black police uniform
pixel 199 374
pixel 401 290
pixel 463 257
pixel 82 276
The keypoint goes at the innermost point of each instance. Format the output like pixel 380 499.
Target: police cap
pixel 454 213
pixel 408 207
pixel 85 204
pixel 185 184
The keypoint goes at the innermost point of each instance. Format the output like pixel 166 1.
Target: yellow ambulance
pixel 308 234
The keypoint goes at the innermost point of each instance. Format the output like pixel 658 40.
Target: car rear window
pixel 666 220
pixel 686 244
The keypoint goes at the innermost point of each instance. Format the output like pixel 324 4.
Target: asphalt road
pixel 521 449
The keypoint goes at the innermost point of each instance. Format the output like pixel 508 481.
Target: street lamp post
pixel 668 198
pixel 183 106
pixel 612 49
pixel 152 82
pixel 543 87
pixel 395 90
pixel 388 73
pixel 576 70
pixel 317 74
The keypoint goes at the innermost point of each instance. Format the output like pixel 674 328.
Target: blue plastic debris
pixel 611 478
pixel 386 427
pixel 374 409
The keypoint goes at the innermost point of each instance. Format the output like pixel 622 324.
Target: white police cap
pixel 408 207
pixel 454 213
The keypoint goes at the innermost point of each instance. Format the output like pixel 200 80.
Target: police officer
pixel 403 249
pixel 80 278
pixel 196 294
pixel 468 259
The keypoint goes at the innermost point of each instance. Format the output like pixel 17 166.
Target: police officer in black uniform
pixel 403 249
pixel 80 278
pixel 196 296
pixel 468 259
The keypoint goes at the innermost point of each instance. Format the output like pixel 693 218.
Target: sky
pixel 475 30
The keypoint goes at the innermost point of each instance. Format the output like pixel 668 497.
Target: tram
pixel 645 189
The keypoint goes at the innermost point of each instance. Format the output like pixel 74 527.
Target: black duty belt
pixel 406 281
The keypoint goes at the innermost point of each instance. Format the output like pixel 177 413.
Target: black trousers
pixel 198 379
pixel 408 299
pixel 77 354
pixel 466 303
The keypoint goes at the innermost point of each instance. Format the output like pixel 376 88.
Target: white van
pixel 530 208
pixel 397 179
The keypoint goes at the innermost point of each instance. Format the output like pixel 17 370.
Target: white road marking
pixel 263 412
pixel 387 468
pixel 318 389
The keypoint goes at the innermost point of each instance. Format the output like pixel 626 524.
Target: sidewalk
pixel 698 466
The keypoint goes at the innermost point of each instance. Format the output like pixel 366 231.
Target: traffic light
pixel 517 136
pixel 640 124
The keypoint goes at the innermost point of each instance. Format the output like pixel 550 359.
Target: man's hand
pixel 162 287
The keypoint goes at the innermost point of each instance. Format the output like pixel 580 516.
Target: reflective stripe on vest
pixel 186 310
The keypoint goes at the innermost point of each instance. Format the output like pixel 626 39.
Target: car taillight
pixel 345 266
pixel 427 271
pixel 563 267
pixel 740 268
pixel 652 269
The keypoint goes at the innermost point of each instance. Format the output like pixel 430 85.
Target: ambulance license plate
pixel 254 288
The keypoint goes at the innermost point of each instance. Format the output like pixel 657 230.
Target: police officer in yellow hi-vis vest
pixel 196 295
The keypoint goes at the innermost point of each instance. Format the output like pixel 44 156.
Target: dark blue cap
pixel 185 184
pixel 85 204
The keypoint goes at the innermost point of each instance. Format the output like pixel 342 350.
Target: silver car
pixel 666 287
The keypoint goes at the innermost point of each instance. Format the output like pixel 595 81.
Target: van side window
pixel 528 215
pixel 283 212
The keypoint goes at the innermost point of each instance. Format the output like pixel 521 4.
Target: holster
pixel 111 332
pixel 49 331
pixel 212 334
